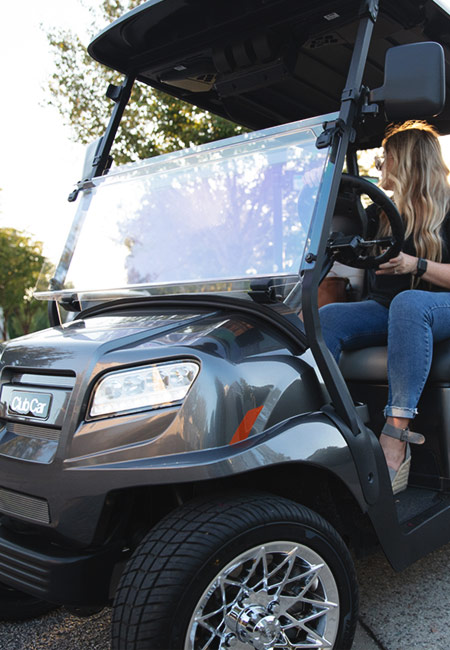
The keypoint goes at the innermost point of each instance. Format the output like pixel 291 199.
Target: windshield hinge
pixel 81 186
pixel 73 195
pixel 330 131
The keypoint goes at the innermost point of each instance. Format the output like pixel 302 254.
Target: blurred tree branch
pixel 153 123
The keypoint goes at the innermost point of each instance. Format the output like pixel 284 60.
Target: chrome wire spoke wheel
pixel 277 595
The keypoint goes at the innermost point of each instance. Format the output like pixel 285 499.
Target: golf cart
pixel 179 441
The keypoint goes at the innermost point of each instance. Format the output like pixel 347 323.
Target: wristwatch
pixel 421 267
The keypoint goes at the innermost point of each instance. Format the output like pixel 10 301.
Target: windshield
pixel 211 218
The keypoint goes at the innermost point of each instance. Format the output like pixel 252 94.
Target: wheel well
pixel 314 487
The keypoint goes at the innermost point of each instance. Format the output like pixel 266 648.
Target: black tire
pixel 167 578
pixel 17 606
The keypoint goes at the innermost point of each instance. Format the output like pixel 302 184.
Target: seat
pixel 370 364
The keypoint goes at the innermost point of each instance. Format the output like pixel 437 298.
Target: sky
pixel 39 164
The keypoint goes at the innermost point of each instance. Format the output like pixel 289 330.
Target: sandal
pixel 399 477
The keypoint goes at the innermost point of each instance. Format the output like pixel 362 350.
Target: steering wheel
pixel 354 250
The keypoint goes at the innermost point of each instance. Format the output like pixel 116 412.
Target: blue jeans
pixel 412 323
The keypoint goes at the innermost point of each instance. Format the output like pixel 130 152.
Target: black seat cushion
pixel 370 364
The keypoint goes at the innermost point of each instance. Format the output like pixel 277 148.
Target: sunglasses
pixel 379 162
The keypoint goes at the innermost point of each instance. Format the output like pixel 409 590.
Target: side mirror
pixel 414 82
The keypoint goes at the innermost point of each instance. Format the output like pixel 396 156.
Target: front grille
pixel 32 431
pixel 22 505
pixel 58 381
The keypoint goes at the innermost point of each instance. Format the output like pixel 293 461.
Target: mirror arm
pixel 376 95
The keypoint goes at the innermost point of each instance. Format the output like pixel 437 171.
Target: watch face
pixel 421 267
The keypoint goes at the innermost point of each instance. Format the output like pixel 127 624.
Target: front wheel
pixel 247 572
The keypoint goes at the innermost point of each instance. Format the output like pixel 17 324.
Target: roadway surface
pixel 398 611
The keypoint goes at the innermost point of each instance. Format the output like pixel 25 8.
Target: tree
pixel 21 261
pixel 153 123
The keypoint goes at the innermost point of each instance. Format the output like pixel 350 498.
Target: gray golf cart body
pixel 195 263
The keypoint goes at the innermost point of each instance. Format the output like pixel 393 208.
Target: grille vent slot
pixel 32 431
pixel 21 505
pixel 31 379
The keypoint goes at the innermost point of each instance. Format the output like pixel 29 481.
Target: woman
pixel 408 302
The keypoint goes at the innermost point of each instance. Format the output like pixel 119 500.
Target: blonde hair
pixel 419 179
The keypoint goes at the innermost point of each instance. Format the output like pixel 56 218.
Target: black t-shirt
pixel 383 288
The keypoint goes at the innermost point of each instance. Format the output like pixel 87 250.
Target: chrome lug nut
pixel 274 607
pixel 314 584
pixel 242 597
pixel 230 641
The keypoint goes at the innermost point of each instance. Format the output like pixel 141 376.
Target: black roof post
pixel 338 135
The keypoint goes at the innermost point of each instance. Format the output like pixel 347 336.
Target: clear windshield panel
pixel 210 218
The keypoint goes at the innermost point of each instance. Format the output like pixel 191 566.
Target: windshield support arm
pixel 101 162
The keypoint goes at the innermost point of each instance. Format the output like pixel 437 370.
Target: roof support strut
pixel 339 136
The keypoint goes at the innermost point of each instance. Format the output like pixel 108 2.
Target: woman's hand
pixel 437 273
pixel 401 264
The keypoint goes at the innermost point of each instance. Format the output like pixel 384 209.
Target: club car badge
pixel 30 404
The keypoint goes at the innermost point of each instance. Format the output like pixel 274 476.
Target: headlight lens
pixel 147 387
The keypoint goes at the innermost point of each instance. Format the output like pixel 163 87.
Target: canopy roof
pixel 265 62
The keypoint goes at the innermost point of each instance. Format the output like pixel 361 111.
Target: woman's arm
pixel 436 273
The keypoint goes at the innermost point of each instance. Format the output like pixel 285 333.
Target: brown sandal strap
pixel 403 434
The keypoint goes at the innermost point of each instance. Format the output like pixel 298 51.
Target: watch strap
pixel 421 267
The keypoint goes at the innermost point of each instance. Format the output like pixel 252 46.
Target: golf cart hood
pixel 266 62
pixel 235 362
pixel 78 344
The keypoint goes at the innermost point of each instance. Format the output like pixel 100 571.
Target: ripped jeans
pixel 414 320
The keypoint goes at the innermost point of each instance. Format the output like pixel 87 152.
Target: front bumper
pixel 59 576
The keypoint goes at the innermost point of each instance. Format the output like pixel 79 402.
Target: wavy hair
pixel 419 179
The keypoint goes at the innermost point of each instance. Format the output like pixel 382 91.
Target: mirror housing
pixel 414 82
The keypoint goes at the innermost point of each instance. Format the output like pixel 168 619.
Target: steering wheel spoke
pixel 384 242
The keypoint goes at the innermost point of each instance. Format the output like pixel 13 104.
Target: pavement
pixel 398 611
pixel 408 610
pixel 364 641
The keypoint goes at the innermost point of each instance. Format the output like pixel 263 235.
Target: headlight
pixel 143 388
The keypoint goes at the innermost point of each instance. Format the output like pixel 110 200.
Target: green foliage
pixel 153 123
pixel 21 260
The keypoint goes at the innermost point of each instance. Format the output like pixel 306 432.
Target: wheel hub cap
pixel 254 625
